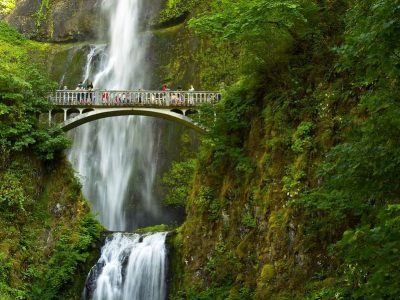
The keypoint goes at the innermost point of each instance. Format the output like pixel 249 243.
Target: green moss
pixel 176 8
pixel 42 14
pixel 186 59
pixel 6 6
pixel 155 228
pixel 267 273
pixel 245 245
pixel 53 240
pixel 174 243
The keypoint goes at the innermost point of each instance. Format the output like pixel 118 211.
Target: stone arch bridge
pixel 75 108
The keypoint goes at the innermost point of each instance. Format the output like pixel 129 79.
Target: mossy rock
pixel 56 20
pixel 267 273
pixel 155 228
pixel 245 244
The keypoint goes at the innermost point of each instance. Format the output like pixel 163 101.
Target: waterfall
pixel 117 160
pixel 94 52
pixel 126 67
pixel 131 267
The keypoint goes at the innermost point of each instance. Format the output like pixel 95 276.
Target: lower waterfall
pixel 131 267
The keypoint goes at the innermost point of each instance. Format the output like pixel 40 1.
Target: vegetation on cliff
pixel 295 190
pixel 6 6
pixel 47 233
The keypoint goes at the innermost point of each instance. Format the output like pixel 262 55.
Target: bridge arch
pixel 177 111
pixel 86 110
pixel 80 107
pixel 190 112
pixel 101 113
pixel 72 112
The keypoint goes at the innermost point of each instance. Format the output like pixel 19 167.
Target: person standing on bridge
pixel 105 96
pixel 165 97
pixel 191 90
pixel 117 99
pixel 91 94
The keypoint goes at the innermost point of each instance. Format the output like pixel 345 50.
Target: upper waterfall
pixel 125 65
pixel 119 159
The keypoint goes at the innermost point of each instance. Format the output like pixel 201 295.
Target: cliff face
pixel 48 239
pixel 55 20
pixel 177 56
pixel 65 21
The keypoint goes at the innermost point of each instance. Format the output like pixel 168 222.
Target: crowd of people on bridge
pixel 85 94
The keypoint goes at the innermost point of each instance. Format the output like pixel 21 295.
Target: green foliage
pixel 207 204
pixel 360 191
pixel 261 27
pixel 218 293
pixel 328 145
pixel 23 93
pixel 372 39
pixel 249 20
pixel 70 251
pixel 223 264
pixel 248 220
pixel 50 141
pixel 227 131
pixel 47 233
pixel 155 228
pixel 12 194
pixel 5 268
pixel 42 13
pixel 179 179
pixel 6 6
pixel 17 190
pixel 176 8
pixel 364 167
pixel 302 139
pixel 10 36
pixel 371 257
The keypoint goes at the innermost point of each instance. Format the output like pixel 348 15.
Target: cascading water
pixel 117 160
pixel 131 267
pixel 96 51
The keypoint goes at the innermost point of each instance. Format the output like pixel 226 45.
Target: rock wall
pixel 56 20
pixel 65 21
pixel 177 56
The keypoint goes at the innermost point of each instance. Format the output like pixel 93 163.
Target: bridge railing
pixel 133 98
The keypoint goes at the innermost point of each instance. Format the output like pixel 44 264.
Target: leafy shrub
pixel 23 96
pixel 371 256
pixel 248 220
pixel 302 139
pixel 179 179
pixel 12 194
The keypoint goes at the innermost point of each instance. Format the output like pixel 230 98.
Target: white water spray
pixel 95 51
pixel 126 67
pixel 131 267
pixel 117 158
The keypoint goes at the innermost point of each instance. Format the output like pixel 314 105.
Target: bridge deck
pixel 136 98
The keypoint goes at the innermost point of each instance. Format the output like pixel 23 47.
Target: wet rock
pixel 60 21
